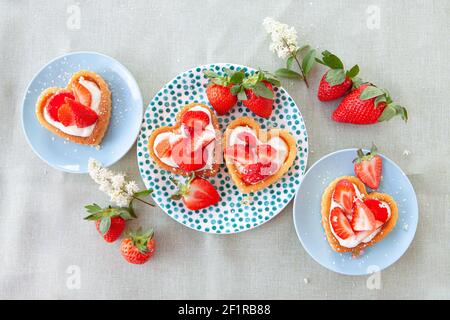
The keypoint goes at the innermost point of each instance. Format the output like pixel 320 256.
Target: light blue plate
pixel 307 217
pixel 126 117
pixel 236 212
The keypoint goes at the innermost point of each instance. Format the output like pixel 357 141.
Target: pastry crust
pixel 217 148
pixel 263 136
pixel 325 210
pixel 104 109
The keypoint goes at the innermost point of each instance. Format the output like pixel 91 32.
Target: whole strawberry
pixel 138 247
pixel 256 92
pixel 336 82
pixel 196 193
pixel 368 167
pixel 109 221
pixel 368 104
pixel 219 89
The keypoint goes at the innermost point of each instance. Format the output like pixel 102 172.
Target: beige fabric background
pixel 41 228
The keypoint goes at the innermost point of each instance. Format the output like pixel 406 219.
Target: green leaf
pixel 380 99
pixel 210 74
pixel 289 62
pixel 357 82
pixel 393 110
pixel 261 90
pixel 235 89
pixel 93 208
pixel 143 193
pixel 94 216
pixel 304 48
pixel 371 92
pixel 105 223
pixel 332 60
pixel 241 95
pixel 237 77
pixel 335 76
pixel 388 114
pixel 353 72
pixel 286 73
pixel 308 61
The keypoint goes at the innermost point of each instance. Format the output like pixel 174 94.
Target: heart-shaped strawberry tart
pixel 191 145
pixel 255 158
pixel 80 112
pixel 354 219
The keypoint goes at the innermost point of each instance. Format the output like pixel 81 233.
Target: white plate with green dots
pixel 235 212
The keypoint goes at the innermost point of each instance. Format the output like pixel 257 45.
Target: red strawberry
pixel 187 159
pixel 380 212
pixel 256 172
pixel 199 140
pixel 368 104
pixel 65 115
pixel 248 138
pixel 260 105
pixel 363 219
pixel 368 167
pixel 138 247
pixel 256 92
pixel 83 116
pixel 56 101
pixel 266 153
pixel 221 98
pixel 82 94
pixel 196 193
pixel 344 194
pixel 241 153
pixel 115 230
pixel 336 82
pixel 109 221
pixel 340 224
pixel 220 91
pixel 196 120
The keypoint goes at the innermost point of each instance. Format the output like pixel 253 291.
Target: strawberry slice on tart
pixel 190 145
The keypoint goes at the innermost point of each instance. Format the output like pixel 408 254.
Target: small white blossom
pixel 284 38
pixel 115 186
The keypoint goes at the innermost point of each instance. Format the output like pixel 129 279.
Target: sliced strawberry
pixel 363 219
pixel 83 116
pixel 241 153
pixel 340 224
pixel 256 172
pixel 197 193
pixel 266 153
pixel 344 194
pixel 196 120
pixel 56 101
pixel 368 167
pixel 82 94
pixel 65 115
pixel 247 138
pixel 163 148
pixel 200 139
pixel 186 159
pixel 376 206
pixel 361 235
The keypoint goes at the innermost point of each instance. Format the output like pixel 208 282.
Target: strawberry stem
pixel 150 204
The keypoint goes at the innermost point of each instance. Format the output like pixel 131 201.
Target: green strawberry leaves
pixel 141 238
pixel 336 75
pixel 105 224
pixel 105 214
pixel 382 96
pixel 330 60
pixel 230 77
pixel 353 72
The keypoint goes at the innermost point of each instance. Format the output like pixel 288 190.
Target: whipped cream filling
pixel 357 238
pixel 275 142
pixel 181 133
pixel 95 103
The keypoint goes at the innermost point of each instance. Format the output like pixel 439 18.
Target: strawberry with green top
pixel 336 82
pixel 109 221
pixel 368 167
pixel 138 247
pixel 256 92
pixel 368 104
pixel 196 193
pixel 219 89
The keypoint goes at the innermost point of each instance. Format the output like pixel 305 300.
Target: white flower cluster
pixel 115 185
pixel 284 38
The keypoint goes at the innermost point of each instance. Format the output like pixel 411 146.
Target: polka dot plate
pixel 236 212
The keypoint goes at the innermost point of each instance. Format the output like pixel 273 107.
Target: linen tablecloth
pixel 400 45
